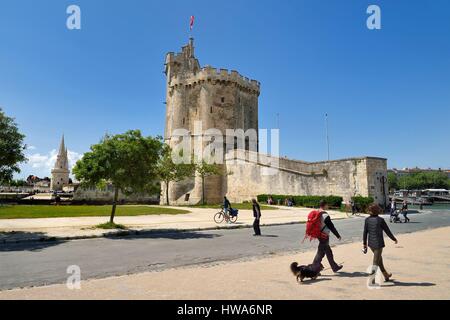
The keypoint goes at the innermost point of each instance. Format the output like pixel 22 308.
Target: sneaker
pixel 338 268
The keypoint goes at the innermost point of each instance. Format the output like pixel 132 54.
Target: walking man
pixel 373 238
pixel 257 215
pixel 353 204
pixel 324 241
pixel 405 211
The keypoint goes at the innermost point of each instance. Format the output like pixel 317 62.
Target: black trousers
pixel 378 259
pixel 324 249
pixel 256 227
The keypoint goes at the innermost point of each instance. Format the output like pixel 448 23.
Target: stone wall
pixel 345 178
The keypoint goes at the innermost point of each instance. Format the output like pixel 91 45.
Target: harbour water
pixel 436 206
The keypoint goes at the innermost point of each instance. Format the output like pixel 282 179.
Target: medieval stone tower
pixel 216 98
pixel 61 172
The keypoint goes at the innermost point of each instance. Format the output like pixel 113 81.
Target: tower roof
pixel 62 161
pixel 62 147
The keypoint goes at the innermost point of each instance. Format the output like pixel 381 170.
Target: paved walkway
pixel 17 230
pixel 419 263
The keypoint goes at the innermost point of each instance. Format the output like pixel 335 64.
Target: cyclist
pixel 226 207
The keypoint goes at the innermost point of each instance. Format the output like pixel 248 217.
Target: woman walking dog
pixel 373 238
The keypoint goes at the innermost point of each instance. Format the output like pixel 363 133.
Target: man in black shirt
pixel 257 215
pixel 324 244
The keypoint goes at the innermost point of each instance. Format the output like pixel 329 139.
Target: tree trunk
pixel 167 193
pixel 203 190
pixel 113 212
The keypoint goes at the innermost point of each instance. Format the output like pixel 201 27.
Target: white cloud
pixel 31 148
pixel 44 163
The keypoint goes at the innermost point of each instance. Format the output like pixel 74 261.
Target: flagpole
pixel 327 135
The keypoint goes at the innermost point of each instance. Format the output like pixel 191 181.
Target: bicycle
pixel 222 215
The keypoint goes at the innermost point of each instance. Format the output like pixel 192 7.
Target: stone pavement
pixel 420 264
pixel 18 230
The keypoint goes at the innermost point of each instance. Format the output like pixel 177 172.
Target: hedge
pixel 362 203
pixel 303 201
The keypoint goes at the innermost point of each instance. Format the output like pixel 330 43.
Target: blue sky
pixel 387 92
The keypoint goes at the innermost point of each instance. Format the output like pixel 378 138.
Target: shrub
pixel 304 201
pixel 362 203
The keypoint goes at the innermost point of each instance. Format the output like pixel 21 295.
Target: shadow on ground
pixel 174 235
pixel 350 275
pixel 411 284
pixel 25 241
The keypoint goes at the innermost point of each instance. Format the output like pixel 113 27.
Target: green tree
pixel 392 181
pixel 204 170
pixel 424 180
pixel 11 148
pixel 168 171
pixel 18 183
pixel 128 161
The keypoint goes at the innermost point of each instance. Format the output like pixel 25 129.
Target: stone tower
pixel 216 98
pixel 60 172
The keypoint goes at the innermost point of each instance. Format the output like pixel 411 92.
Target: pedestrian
pixel 393 210
pixel 257 215
pixel 373 238
pixel 326 225
pixel 353 204
pixel 405 211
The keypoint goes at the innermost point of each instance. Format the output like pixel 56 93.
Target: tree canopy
pixel 128 161
pixel 419 180
pixel 11 148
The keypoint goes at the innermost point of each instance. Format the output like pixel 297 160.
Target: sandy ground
pixel 197 219
pixel 420 264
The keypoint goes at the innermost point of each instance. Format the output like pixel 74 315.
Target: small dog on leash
pixel 302 272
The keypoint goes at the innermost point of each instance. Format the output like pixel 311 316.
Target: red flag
pixel 191 23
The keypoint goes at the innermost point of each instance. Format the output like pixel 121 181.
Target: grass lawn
pixel 32 212
pixel 239 206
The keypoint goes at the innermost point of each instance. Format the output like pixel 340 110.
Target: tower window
pixel 184 120
pixel 222 99
pixel 211 110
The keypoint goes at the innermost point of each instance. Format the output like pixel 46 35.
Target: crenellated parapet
pixel 215 76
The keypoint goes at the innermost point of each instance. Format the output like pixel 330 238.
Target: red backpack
pixel 314 226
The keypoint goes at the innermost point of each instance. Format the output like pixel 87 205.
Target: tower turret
pixel 216 98
pixel 60 172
